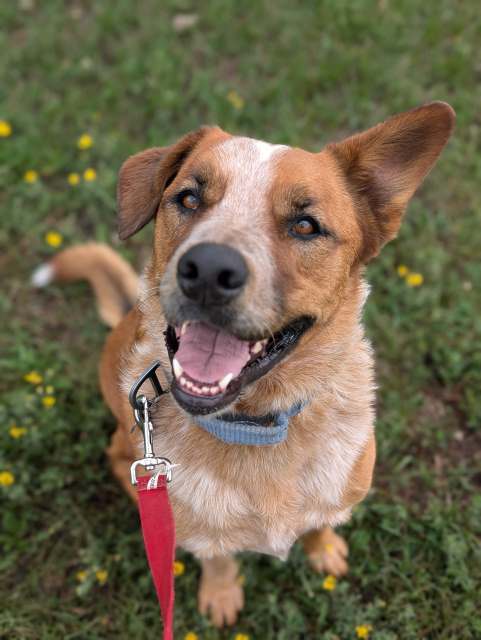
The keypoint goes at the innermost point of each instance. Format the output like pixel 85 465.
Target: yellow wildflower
pixel 90 175
pixel 179 568
pixel 191 636
pixel 241 636
pixel 17 432
pixel 363 630
pixel 5 129
pixel 414 280
pixel 30 176
pixel 101 576
pixel 54 239
pixel 73 179
pixel 81 576
pixel 48 401
pixel 329 548
pixel 329 583
pixel 49 389
pixel 6 478
pixel 236 100
pixel 85 141
pixel 402 271
pixel 33 377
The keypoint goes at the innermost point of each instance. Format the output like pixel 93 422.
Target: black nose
pixel 212 273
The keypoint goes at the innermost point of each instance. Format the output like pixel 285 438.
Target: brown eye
pixel 303 227
pixel 189 201
pixel 306 228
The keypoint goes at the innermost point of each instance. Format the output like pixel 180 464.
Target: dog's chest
pixel 256 504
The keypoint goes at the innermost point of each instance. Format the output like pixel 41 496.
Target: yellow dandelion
pixel 30 176
pixel 191 636
pixel 81 576
pixel 363 630
pixel 241 636
pixel 17 432
pixel 236 100
pixel 48 401
pixel 85 141
pixel 73 179
pixel 402 271
pixel 5 129
pixel 6 478
pixel 54 239
pixel 101 576
pixel 90 175
pixel 49 389
pixel 179 568
pixel 329 583
pixel 414 280
pixel 33 377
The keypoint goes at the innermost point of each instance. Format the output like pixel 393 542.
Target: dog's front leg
pixel 121 456
pixel 326 551
pixel 220 591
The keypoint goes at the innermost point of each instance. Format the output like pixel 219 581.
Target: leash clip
pixel 141 406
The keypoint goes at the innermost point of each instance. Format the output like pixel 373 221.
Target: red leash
pixel 156 516
pixel 158 529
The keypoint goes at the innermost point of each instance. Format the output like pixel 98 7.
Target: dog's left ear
pixel 144 176
pixel 386 164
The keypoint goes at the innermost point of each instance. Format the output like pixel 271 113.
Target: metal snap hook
pixel 141 407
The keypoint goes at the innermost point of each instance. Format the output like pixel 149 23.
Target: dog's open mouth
pixel 211 366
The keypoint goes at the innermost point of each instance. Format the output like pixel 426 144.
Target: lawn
pixel 299 73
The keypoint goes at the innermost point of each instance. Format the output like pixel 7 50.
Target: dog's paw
pixel 329 555
pixel 221 602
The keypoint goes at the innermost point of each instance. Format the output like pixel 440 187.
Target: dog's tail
pixel 113 280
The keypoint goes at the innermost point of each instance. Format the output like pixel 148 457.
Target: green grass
pixel 308 72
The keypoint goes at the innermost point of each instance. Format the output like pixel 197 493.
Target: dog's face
pixel 256 244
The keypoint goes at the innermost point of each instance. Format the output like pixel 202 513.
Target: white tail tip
pixel 43 275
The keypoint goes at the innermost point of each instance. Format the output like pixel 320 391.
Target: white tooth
pixel 178 371
pixel 225 381
pixel 214 391
pixel 188 384
pixel 183 329
pixel 257 348
pixel 182 381
pixel 205 390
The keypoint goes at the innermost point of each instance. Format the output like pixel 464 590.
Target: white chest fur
pixel 264 500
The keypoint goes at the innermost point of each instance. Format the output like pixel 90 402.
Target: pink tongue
pixel 207 354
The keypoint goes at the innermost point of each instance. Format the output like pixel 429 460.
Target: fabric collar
pixel 241 429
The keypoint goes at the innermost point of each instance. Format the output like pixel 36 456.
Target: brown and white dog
pixel 257 279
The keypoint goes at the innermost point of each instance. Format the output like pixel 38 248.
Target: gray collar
pixel 241 429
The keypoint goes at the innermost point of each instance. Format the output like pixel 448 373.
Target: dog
pixel 257 281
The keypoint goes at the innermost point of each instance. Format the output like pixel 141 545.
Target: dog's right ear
pixel 143 178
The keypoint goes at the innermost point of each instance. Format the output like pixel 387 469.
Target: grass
pixel 307 72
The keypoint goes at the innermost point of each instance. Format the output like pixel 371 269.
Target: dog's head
pixel 256 243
